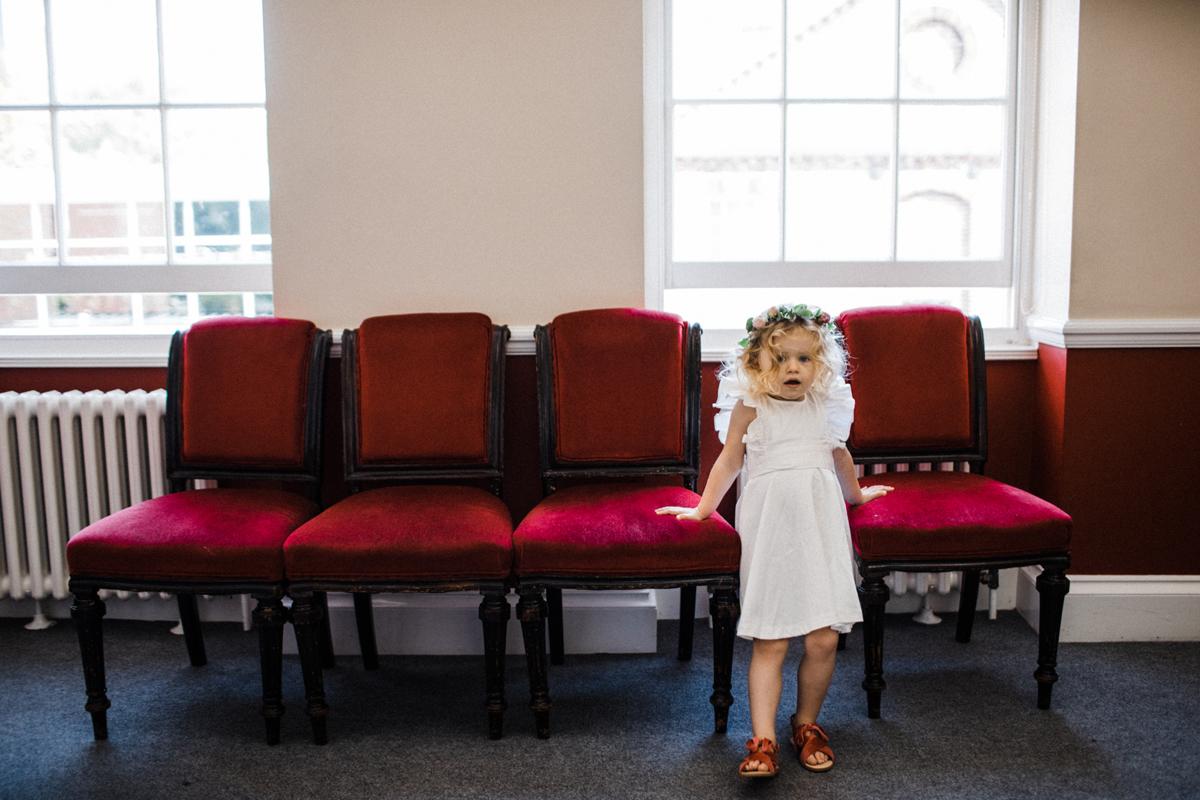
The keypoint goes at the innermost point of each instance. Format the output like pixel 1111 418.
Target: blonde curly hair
pixel 764 333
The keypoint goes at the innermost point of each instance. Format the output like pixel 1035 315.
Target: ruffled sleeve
pixel 728 393
pixel 839 411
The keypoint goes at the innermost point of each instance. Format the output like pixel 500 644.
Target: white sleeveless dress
pixel 797 569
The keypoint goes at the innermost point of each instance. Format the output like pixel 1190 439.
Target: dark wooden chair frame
pixel 1052 584
pixel 534 610
pixel 269 614
pixel 494 610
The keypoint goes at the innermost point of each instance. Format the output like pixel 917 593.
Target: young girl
pixel 790 421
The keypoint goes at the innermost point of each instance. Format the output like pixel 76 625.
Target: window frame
pixel 1004 343
pixel 172 275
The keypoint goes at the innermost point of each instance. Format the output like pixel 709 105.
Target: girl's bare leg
pixel 766 687
pixel 813 678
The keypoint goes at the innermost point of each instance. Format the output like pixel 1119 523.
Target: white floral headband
pixel 781 313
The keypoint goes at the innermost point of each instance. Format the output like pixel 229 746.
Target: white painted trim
pixel 1120 608
pixel 1114 333
pixel 95 348
pixel 654 137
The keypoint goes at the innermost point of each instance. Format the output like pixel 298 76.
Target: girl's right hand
pixel 682 512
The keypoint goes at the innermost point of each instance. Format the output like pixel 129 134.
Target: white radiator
pixel 66 460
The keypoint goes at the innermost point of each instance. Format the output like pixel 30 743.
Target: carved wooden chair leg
pixel 687 621
pixel 88 613
pixel 306 619
pixel 364 618
pixel 554 618
pixel 269 615
pixel 724 609
pixel 326 635
pixel 1052 586
pixel 873 595
pixel 189 617
pixel 531 611
pixel 495 612
pixel 968 596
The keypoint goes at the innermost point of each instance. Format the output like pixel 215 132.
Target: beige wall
pixel 1136 242
pixel 443 155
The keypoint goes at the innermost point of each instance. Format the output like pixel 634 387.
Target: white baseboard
pixel 1121 608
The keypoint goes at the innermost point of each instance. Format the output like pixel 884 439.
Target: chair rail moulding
pixel 1114 333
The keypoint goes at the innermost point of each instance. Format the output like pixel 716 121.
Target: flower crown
pixel 780 313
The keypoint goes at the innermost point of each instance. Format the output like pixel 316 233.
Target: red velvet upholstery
pixel 909 375
pixel 413 410
pixel 402 533
pixel 950 515
pixel 202 535
pixel 638 417
pixel 611 530
pixel 244 391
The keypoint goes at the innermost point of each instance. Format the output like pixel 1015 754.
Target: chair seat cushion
pixel 955 514
pixel 611 530
pixel 402 533
pixel 202 535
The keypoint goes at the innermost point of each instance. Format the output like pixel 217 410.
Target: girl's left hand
pixel 870 493
pixel 681 512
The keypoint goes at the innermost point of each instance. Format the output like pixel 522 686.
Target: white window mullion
pixel 896 144
pixel 164 126
pixel 783 132
pixel 60 207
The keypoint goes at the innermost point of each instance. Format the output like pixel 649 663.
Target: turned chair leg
pixel 364 618
pixel 326 635
pixel 306 620
pixel 968 597
pixel 1052 586
pixel 269 615
pixel 88 613
pixel 723 607
pixel 495 612
pixel 873 595
pixel 687 621
pixel 531 611
pixel 554 617
pixel 189 618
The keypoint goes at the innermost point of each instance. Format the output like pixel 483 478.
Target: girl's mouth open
pixel 792 382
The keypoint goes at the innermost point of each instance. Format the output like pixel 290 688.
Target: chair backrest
pixel 244 400
pixel 618 395
pixel 920 385
pixel 423 398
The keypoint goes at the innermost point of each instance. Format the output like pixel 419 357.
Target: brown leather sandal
pixel 808 739
pixel 764 751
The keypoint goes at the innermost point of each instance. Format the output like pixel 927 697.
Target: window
pixel 133 163
pixel 836 152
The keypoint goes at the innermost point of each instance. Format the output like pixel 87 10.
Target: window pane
pixel 220 305
pixel 23 52
pixel 164 309
pixel 839 49
pixel 18 311
pixel 213 51
pixel 839 193
pixel 728 309
pixel 112 180
pixel 105 52
pixel 954 48
pixel 83 310
pixel 27 231
pixel 726 184
pixel 218 169
pixel 952 183
pixel 723 50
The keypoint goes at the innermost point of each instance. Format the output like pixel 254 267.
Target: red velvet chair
pixel 619 406
pixel 920 387
pixel 423 406
pixel 243 403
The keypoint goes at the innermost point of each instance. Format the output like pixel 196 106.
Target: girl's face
pixel 797 364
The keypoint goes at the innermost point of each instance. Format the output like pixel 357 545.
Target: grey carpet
pixel 959 721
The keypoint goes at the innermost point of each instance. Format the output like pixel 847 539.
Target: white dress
pixel 797 570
